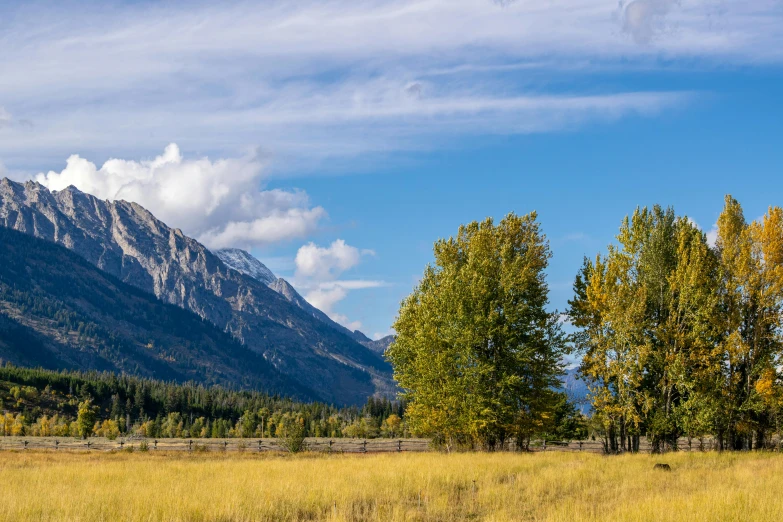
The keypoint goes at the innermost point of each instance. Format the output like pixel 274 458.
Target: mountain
pixel 380 345
pixel 245 262
pixel 576 389
pixel 128 242
pixel 58 311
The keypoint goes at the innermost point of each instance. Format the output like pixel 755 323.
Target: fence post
pixel 259 446
pixel 155 444
pixel 225 445
pixel 364 446
pixel 25 444
pixel 580 445
pixel 399 446
pixel 190 445
pixel 544 446
pixel 56 445
pixel 330 445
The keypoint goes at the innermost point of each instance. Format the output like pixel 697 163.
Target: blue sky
pixel 338 140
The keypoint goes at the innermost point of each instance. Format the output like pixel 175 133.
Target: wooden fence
pixel 336 445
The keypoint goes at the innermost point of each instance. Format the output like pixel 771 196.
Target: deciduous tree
pixel 477 353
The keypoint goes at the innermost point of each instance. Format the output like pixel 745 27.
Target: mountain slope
pixel 576 389
pixel 58 311
pixel 380 345
pixel 128 242
pixel 243 261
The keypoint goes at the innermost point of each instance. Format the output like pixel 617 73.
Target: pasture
pixel 244 486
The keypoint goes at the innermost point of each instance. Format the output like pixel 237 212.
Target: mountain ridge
pixel 245 262
pixel 127 241
pixel 58 311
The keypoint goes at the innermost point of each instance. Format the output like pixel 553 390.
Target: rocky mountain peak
pixel 127 241
pixel 242 261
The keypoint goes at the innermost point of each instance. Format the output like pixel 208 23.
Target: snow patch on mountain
pixel 244 262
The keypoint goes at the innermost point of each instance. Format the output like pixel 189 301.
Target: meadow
pixel 556 486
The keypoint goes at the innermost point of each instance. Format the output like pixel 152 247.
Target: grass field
pixel 425 486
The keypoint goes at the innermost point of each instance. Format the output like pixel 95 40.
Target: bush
pixel 293 437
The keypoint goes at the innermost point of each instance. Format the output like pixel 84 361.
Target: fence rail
pixel 336 445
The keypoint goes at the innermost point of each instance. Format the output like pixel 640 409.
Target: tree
pixel 751 299
pixel 682 339
pixel 86 418
pixel 477 354
pixel 392 425
pixel 645 313
pixel 292 435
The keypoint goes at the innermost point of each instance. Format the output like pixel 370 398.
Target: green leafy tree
pixel 682 339
pixel 477 353
pixel 85 419
pixel 751 304
pixel 292 435
pixel 645 312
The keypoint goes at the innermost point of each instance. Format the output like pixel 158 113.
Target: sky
pixel 338 140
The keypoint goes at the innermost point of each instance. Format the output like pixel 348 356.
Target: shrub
pixel 293 436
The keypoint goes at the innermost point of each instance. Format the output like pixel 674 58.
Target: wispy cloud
pixel 645 20
pixel 307 80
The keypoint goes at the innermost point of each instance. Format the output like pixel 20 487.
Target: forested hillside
pixel 58 311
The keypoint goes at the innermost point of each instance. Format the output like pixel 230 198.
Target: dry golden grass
pixel 246 486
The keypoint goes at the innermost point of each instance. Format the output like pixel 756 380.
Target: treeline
pixel 41 402
pixel 680 336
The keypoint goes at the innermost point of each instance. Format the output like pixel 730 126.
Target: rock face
pixel 284 288
pixel 379 346
pixel 58 311
pixel 246 263
pixel 128 242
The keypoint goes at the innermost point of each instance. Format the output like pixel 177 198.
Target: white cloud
pixel 325 299
pixel 317 273
pixel 712 233
pixel 326 295
pixel 219 202
pixel 712 236
pixel 323 264
pixel 5 118
pixel 644 20
pixel 357 284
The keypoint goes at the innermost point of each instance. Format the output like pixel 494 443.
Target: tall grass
pixel 496 487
